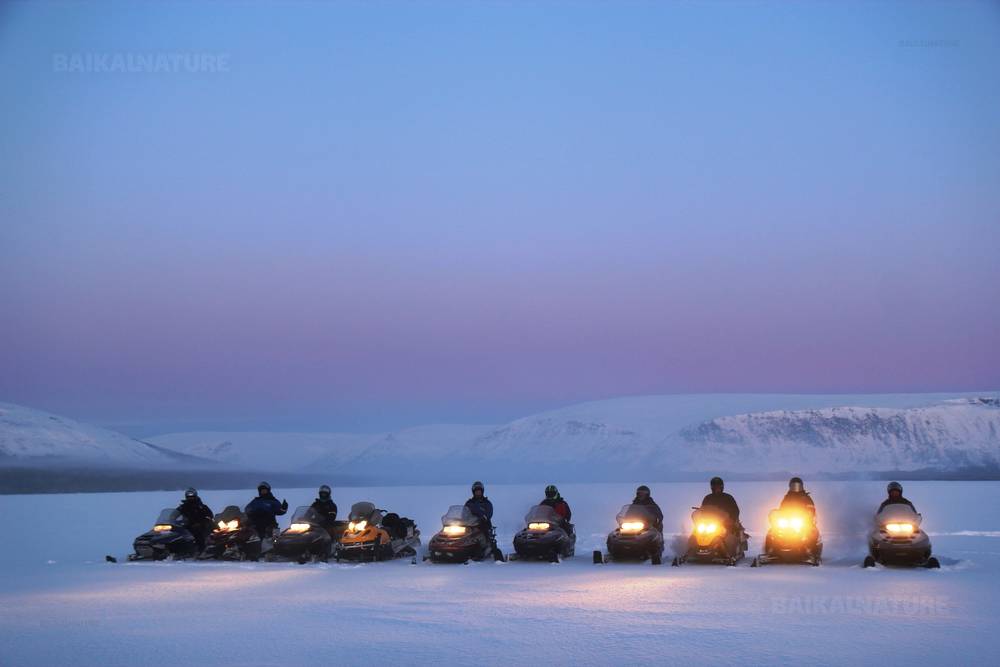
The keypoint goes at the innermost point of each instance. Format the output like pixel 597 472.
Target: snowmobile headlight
pixel 789 522
pixel 900 528
pixel 162 527
pixel 632 526
pixel 707 528
pixel 541 525
pixel 299 527
pixel 453 530
pixel 228 526
pixel 357 526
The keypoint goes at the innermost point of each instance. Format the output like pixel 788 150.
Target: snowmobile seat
pixel 396 526
pixel 393 526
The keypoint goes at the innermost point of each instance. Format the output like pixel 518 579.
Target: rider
pixel 895 491
pixel 481 506
pixel 262 510
pixel 325 507
pixel 198 517
pixel 556 502
pixel 721 500
pixel 797 496
pixel 726 504
pixel 643 498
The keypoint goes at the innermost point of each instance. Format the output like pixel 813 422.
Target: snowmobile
pixel 462 538
pixel 169 538
pixel 713 540
pixel 636 538
pixel 308 537
pixel 545 536
pixel 792 537
pixel 233 538
pixel 374 535
pixel 896 539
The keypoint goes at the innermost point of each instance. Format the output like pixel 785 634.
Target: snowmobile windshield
pixel 898 513
pixel 362 511
pixel 543 514
pixel 305 514
pixel 459 515
pixel 169 516
pixel 635 513
pixel 232 512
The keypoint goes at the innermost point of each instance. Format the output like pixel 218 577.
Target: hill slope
pixel 30 436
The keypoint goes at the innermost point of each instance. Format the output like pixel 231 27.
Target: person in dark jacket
pixel 722 501
pixel 197 515
pixel 643 498
pixel 554 500
pixel 263 510
pixel 481 506
pixel 325 507
pixel 895 491
pixel 797 497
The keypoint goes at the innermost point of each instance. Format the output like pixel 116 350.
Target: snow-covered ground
pixel 61 604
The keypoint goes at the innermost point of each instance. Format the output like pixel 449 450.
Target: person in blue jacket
pixel 263 510
pixel 481 506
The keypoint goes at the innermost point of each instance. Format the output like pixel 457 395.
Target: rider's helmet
pixel 716 482
pixel 894 487
pixel 263 488
pixel 478 486
pixel 642 492
pixel 551 492
pixel 324 492
pixel 191 493
pixel 795 485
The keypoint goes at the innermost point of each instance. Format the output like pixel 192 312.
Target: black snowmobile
pixel 545 536
pixel 233 538
pixel 896 539
pixel 792 537
pixel 713 539
pixel 309 537
pixel 169 538
pixel 462 538
pixel 636 538
pixel 374 535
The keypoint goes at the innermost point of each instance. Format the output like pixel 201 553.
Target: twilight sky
pixel 383 214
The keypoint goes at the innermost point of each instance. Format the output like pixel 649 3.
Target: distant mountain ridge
pixel 645 437
pixel 663 436
pixel 34 436
pixel 959 433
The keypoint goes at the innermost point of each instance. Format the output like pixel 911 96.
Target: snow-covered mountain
pixel 30 436
pixel 649 436
pixel 269 450
pixel 955 434
pixel 654 437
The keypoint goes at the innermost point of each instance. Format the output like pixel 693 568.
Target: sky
pixel 360 216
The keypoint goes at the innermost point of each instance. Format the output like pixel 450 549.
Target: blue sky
pixel 384 214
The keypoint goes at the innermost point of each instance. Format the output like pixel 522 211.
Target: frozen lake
pixel 61 604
